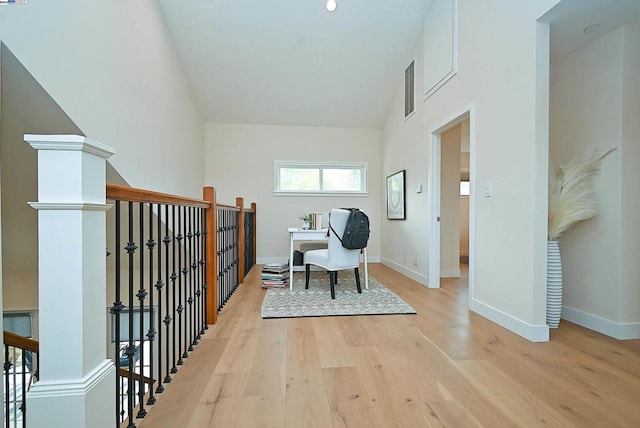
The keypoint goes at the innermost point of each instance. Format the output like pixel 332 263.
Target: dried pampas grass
pixel 570 196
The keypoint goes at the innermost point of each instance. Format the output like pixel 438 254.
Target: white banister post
pixel 77 383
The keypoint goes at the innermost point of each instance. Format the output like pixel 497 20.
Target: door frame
pixel 435 178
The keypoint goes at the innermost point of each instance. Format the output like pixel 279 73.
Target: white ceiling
pixel 569 18
pixel 290 62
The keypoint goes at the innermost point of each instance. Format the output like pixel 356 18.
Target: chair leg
pixel 307 271
pixel 358 280
pixel 332 277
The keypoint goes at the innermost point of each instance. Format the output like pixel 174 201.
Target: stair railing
pixel 176 262
pixel 21 366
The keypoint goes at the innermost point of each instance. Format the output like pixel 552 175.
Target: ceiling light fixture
pixel 331 5
pixel 591 28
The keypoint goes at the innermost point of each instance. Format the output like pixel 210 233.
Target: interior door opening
pixel 450 213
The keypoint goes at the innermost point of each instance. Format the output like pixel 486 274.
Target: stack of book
pixel 275 275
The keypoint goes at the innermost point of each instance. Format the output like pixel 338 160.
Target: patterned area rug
pixel 316 301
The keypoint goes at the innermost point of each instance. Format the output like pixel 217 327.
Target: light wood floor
pixel 444 367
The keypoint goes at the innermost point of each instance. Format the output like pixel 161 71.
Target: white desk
pixel 299 234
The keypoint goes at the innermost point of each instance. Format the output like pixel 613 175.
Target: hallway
pixel 444 366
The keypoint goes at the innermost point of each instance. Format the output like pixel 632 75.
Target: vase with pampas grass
pixel 571 200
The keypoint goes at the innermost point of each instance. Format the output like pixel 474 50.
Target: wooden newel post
pixel 211 280
pixel 241 241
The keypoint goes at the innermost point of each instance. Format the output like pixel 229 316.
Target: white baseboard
pixel 416 276
pixel 450 273
pixel 265 260
pixel 621 331
pixel 534 333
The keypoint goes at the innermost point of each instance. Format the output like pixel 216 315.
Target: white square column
pixel 76 384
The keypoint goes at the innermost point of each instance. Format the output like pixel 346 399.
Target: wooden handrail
pixel 228 207
pixel 21 342
pixel 136 376
pixel 131 194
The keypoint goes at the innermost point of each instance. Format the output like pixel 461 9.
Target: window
pixel 319 178
pixel 124 324
pixel 464 188
pixel 409 89
pixel 19 323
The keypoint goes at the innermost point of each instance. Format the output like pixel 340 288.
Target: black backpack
pixel 356 232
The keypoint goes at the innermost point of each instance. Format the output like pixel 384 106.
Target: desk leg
pixel 366 269
pixel 291 262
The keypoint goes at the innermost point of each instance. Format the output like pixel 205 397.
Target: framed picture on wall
pixel 396 196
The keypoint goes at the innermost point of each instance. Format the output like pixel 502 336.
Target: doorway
pixel 451 152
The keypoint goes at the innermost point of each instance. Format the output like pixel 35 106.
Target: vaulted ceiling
pixel 290 62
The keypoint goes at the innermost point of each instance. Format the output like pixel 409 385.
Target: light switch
pixel 487 189
pixel 419 188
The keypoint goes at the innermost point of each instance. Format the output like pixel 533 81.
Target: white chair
pixel 335 257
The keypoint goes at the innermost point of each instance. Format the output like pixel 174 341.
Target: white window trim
pixel 363 166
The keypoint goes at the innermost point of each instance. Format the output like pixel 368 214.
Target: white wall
pixel 1 281
pixel 497 76
pixel 239 162
pixel 113 68
pixel 630 157
pixel 595 99
pixel 27 108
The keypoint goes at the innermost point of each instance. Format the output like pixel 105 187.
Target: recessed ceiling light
pixel 331 5
pixel 591 28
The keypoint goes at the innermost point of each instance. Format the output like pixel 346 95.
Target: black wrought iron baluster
pixel 230 257
pixel 248 242
pixel 189 278
pixel 116 310
pixel 174 277
pixel 219 253
pixel 7 396
pixel 141 295
pixel 205 286
pixel 193 280
pixel 131 348
pixel 151 333
pixel 179 309
pixel 185 285
pixel 225 257
pixel 232 254
pixel 159 287
pixel 225 236
pixel 229 247
pixel 23 404
pixel 236 249
pixel 168 313
pixel 221 264
pixel 195 275
pixel 200 278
